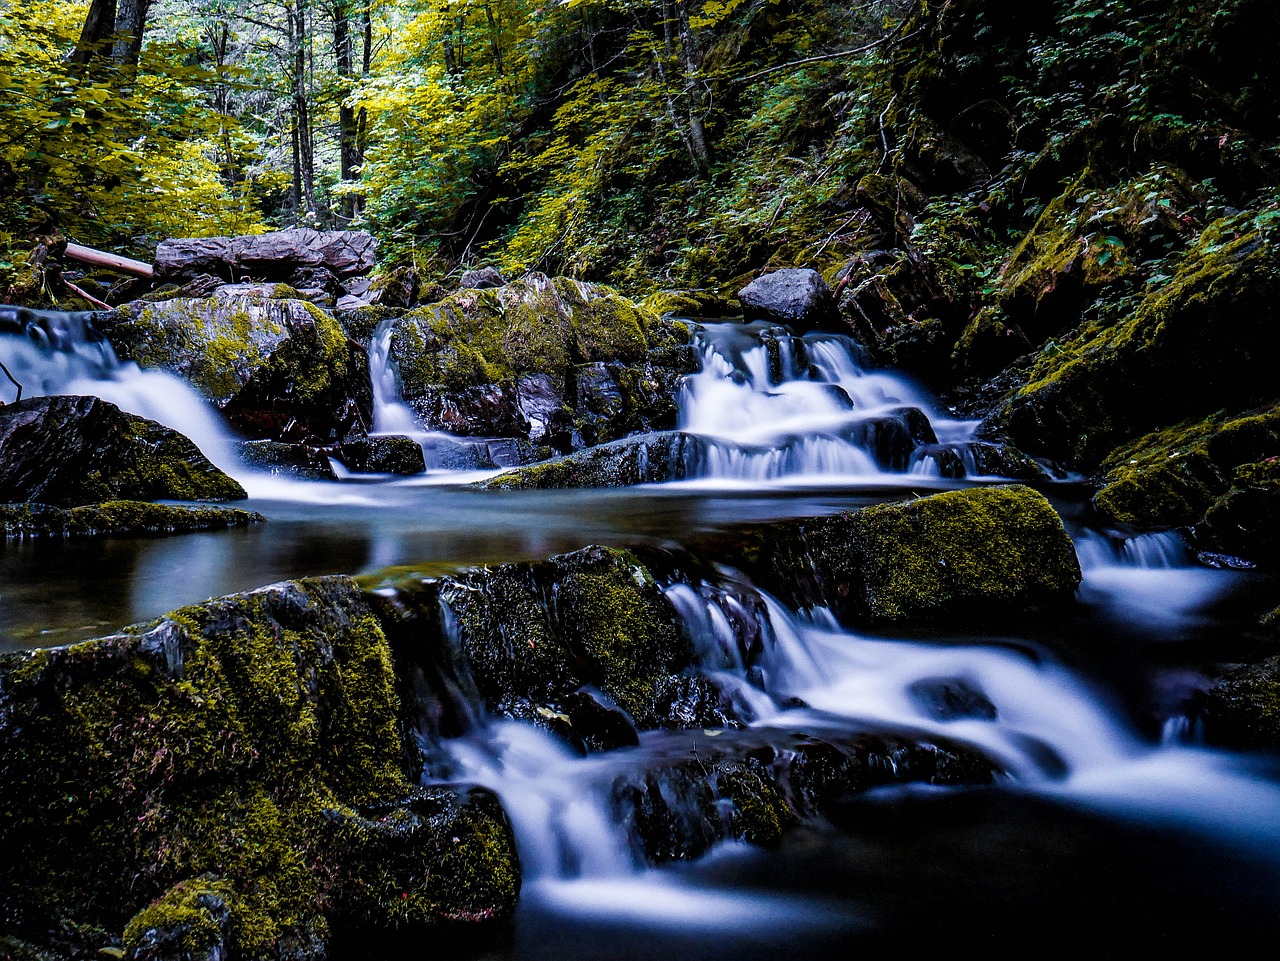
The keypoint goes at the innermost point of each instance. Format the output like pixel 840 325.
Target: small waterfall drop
pixel 76 360
pixel 769 406
pixel 391 415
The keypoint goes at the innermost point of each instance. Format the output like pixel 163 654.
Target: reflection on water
pixel 55 590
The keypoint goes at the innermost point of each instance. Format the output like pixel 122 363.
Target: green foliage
pixel 105 151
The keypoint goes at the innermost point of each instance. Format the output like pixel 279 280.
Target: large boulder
pixel 795 296
pixel 989 554
pixel 526 641
pixel 273 256
pixel 69 451
pixel 1242 709
pixel 559 363
pixel 241 755
pixel 277 369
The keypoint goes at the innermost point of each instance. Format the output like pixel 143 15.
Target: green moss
pixel 212 742
pixel 1201 339
pixel 190 913
pixel 1170 478
pixel 118 517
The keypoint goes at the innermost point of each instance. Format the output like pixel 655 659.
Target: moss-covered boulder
pixel 69 451
pixel 1242 710
pixel 277 369
pixel 556 362
pixel 986 554
pixel 386 454
pixel 301 461
pixel 248 747
pixel 1200 343
pixel 116 518
pixel 526 640
pixel 1174 477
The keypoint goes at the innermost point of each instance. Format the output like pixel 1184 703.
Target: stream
pixel 1110 826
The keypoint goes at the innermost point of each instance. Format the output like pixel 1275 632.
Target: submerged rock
pixel 797 297
pixel 118 517
pixel 69 451
pixel 247 751
pixel 279 370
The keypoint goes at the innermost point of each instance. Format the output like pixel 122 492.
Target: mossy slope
pixel 118 517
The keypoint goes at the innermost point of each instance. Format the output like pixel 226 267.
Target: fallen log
pixel 98 258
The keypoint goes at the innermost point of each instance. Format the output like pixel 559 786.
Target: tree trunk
pixel 98 24
pixel 349 156
pixel 131 21
pixel 691 55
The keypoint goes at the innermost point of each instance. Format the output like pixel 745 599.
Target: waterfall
pixel 79 361
pixel 768 405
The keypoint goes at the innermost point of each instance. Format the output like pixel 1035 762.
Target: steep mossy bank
pixel 250 748
pixel 117 518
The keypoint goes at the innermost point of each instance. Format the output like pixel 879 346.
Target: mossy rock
pixel 277 369
pixel 116 518
pixel 644 459
pixel 1200 343
pixel 504 362
pixel 1242 710
pixel 731 786
pixel 299 461
pixel 1172 477
pixel 985 554
pixel 69 451
pixel 526 638
pixel 237 739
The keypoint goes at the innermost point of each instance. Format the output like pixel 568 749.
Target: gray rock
pixel 644 459
pixel 483 279
pixel 795 296
pixel 287 460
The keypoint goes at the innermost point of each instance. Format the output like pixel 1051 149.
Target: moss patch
pixel 118 517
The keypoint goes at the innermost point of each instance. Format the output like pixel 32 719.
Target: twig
pixel 12 381
pixel 85 295
pixel 834 236
pixel 820 58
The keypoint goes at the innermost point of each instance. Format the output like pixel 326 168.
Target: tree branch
pixel 822 57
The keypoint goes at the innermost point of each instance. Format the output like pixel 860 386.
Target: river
pixel 1109 827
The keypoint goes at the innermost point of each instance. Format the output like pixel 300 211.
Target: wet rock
pixel 387 454
pixel 506 362
pixel 646 459
pixel 1242 710
pixel 69 451
pixel 286 460
pixel 270 256
pixel 190 922
pixel 952 699
pixel 531 638
pixel 736 786
pixel 798 297
pixel 399 288
pixel 989 554
pixel 486 278
pixel 278 369
pixel 1220 475
pixel 254 738
pixel 115 518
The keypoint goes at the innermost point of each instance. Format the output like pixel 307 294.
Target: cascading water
pixel 769 406
pixel 74 359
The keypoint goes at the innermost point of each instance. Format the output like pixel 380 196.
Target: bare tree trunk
pixel 694 89
pixel 131 21
pixel 303 148
pixel 98 24
pixel 348 149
